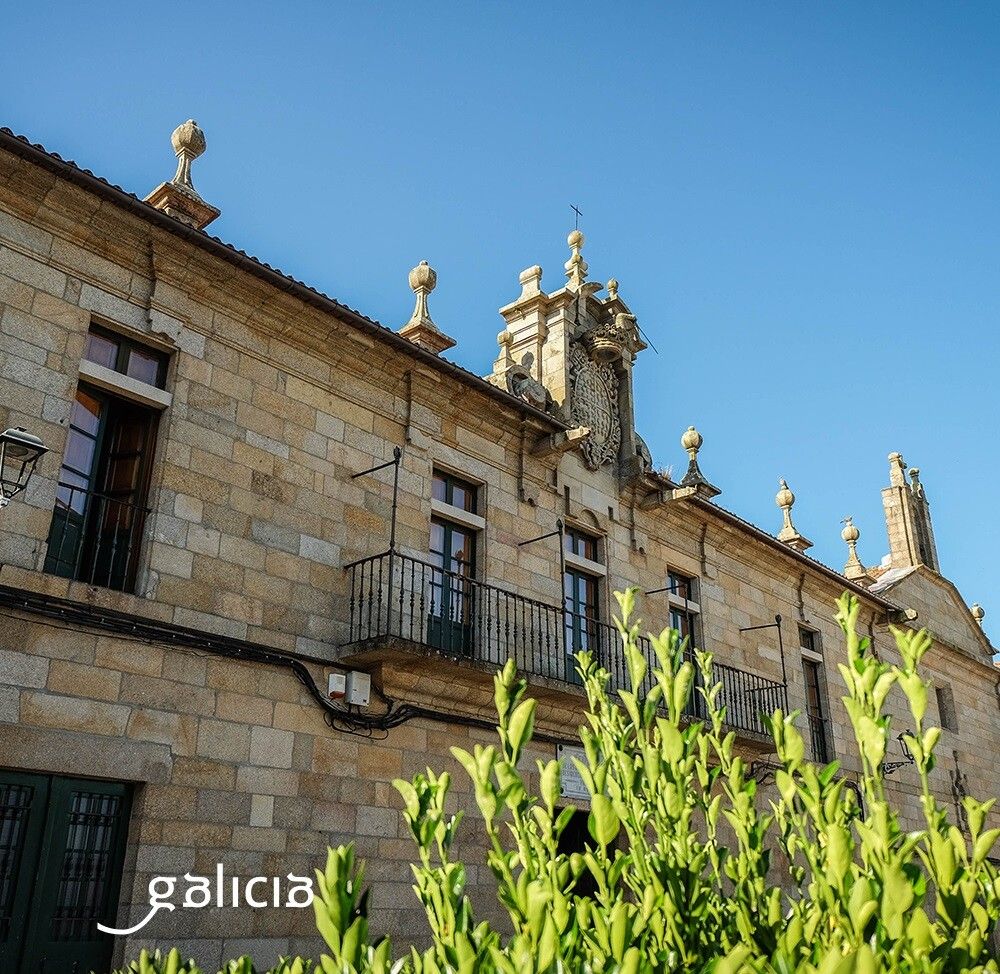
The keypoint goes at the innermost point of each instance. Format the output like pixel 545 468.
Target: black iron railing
pixel 820 738
pixel 95 537
pixel 414 599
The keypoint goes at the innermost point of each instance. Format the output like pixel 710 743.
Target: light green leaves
pixel 679 842
pixel 603 822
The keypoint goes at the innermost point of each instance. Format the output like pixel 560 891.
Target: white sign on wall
pixel 572 783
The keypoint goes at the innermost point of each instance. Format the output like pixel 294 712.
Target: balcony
pixel 95 537
pixel 402 600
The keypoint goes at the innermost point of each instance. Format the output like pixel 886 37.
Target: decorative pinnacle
pixel 854 569
pixel 692 440
pixel 576 266
pixel 420 329
pixel 612 290
pixel 178 197
pixel 978 612
pixel 189 142
pixel 789 533
pixel 530 280
pixel 896 467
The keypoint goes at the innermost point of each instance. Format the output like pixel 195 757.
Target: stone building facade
pixel 202 548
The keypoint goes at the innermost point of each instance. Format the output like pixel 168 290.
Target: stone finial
pixel 530 280
pixel 178 198
pixel 853 569
pixel 612 290
pixel 789 534
pixel 420 329
pixel 576 266
pixel 692 440
pixel 978 612
pixel 189 142
pixel 897 467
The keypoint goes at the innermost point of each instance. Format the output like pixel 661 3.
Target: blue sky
pixel 800 203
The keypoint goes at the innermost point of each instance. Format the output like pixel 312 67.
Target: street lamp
pixel 19 452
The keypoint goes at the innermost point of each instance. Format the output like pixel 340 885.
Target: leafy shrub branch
pixel 694 870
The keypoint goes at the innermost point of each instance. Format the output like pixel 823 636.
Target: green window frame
pixel 581 602
pixel 449 489
pixel 452 550
pixel 100 511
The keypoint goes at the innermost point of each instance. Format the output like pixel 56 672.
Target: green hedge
pixel 859 893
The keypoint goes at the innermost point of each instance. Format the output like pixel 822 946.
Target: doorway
pixel 62 846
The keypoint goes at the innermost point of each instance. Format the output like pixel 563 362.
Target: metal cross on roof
pixel 579 213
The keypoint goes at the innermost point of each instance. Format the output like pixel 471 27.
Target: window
pixel 99 512
pixel 121 354
pixel 453 554
pixel 581 590
pixel 578 543
pixel 451 490
pixel 62 844
pixel 946 707
pixel 684 607
pixel 816 715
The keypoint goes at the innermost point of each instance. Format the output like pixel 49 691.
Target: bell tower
pixel 571 353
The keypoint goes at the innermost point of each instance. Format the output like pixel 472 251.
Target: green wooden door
pixel 62 843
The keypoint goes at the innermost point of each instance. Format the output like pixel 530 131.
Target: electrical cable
pixel 151 631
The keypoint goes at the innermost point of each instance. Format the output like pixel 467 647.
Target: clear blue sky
pixel 800 202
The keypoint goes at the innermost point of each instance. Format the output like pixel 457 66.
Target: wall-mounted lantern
pixel 19 452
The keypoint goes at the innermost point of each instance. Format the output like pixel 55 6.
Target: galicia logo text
pixel 198 892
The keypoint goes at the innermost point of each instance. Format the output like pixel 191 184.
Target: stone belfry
pixel 908 518
pixel 571 353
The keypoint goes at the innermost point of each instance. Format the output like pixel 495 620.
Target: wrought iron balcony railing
pixel 95 537
pixel 415 600
pixel 820 738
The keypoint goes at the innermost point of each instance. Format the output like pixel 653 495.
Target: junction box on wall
pixel 353 688
pixel 359 688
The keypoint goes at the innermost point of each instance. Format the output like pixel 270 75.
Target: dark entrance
pixel 62 843
pixel 576 838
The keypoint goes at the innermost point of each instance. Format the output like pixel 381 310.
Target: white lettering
pixel 251 883
pixel 201 887
pixel 303 884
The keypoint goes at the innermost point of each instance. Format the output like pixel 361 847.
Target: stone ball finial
pixel 978 612
pixel 692 440
pixel 423 278
pixel 612 289
pixel 850 534
pixel 189 138
pixel 784 498
pixel 576 239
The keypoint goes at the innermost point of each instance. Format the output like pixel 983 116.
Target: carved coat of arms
pixel 594 404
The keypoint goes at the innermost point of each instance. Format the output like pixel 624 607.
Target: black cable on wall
pixel 150 631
